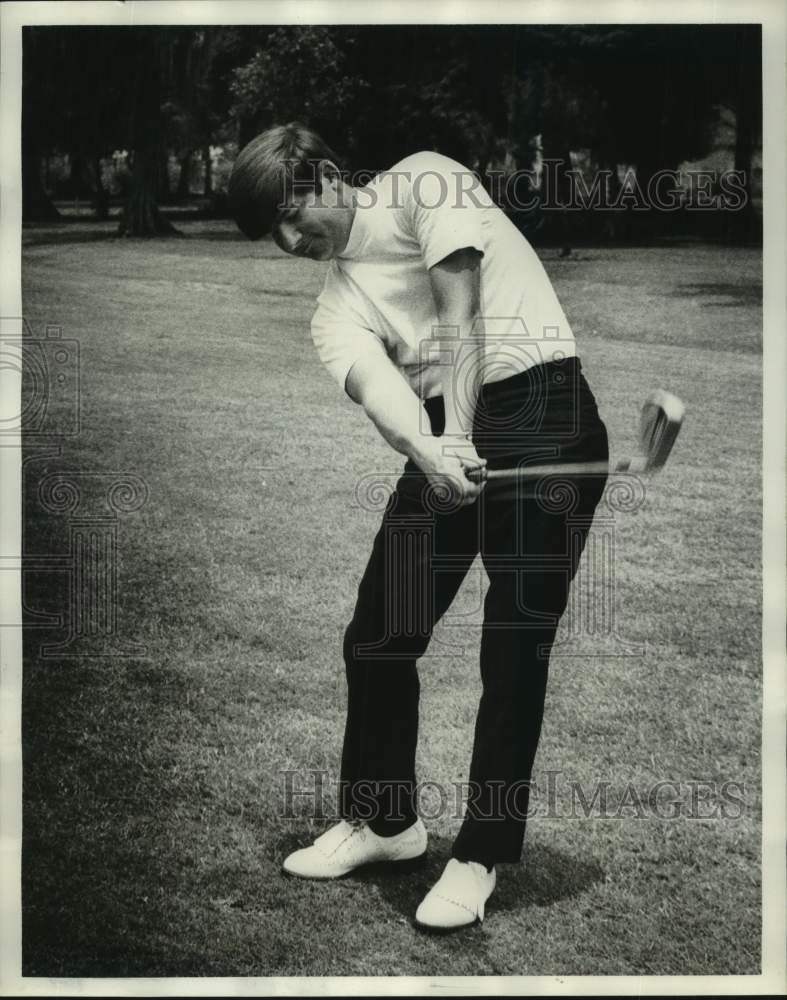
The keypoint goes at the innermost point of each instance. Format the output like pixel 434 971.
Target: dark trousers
pixel 530 536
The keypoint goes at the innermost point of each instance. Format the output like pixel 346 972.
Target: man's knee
pixel 391 644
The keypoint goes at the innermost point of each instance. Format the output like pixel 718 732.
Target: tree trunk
pixel 184 181
pixel 648 222
pixel 37 206
pixel 101 203
pixel 36 203
pixel 247 130
pixel 164 189
pixel 208 170
pixel 567 215
pixel 77 184
pixel 141 215
pixel 556 189
pixel 613 224
pixel 747 108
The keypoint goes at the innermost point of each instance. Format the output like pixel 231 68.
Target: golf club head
pixel 660 421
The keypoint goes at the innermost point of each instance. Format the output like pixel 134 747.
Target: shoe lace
pixel 358 826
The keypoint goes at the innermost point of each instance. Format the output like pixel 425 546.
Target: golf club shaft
pixel 537 471
pixel 661 419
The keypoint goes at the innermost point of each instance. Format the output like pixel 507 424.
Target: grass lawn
pixel 154 787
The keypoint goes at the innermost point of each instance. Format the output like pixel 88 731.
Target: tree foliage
pixel 489 95
pixel 297 74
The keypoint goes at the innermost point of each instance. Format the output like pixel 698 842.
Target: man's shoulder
pixel 426 159
pixel 428 179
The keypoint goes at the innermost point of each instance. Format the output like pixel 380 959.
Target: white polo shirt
pixel 377 296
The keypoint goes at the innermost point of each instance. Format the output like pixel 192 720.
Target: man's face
pixel 314 225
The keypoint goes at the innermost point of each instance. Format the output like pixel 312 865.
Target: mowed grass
pixel 155 787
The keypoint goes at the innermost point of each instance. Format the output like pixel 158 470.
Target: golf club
pixel 660 420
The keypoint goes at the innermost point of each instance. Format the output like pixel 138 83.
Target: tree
pixel 747 100
pixel 295 74
pixel 141 214
pixel 73 88
pixel 36 92
pixel 487 95
pixel 194 108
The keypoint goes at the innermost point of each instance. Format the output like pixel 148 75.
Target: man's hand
pixel 444 460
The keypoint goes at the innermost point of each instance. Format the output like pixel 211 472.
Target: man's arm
pixel 456 287
pixel 396 410
pixel 399 416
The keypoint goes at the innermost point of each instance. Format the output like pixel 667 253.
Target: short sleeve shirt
pixel 377 297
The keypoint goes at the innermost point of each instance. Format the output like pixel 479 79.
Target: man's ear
pixel 330 172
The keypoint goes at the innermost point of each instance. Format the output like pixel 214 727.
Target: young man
pixel 438 318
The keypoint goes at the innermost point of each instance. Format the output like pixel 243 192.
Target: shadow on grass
pixel 741 295
pixel 101 849
pixel 78 231
pixel 544 877
pixel 60 233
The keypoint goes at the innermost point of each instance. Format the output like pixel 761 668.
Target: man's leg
pixel 419 558
pixel 526 596
pixel 532 540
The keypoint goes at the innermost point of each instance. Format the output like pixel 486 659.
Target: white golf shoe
pixel 458 898
pixel 348 845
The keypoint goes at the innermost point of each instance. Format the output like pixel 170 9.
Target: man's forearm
pixel 400 417
pixel 398 414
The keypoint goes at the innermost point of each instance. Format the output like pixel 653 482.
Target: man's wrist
pixel 424 449
pixel 430 449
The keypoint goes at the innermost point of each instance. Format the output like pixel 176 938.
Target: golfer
pixel 438 319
